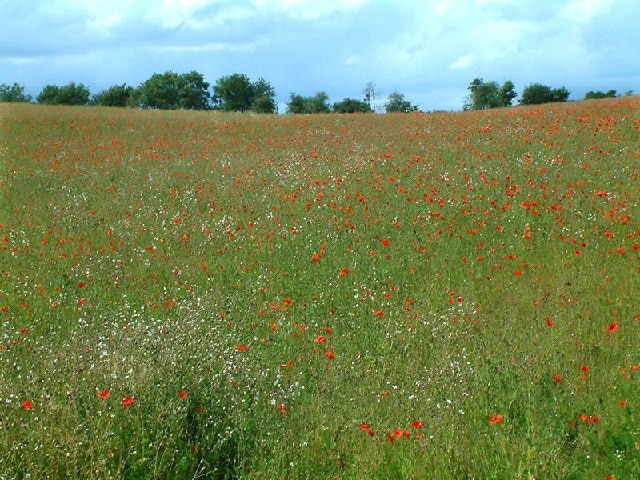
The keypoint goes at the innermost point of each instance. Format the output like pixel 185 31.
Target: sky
pixel 427 50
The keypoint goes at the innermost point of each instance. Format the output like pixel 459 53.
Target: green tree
pixel 507 93
pixel 484 95
pixel 296 104
pixel 351 105
pixel 600 94
pixel 397 104
pixel 70 94
pixel 13 93
pixel 172 91
pixel 319 103
pixel 559 94
pixel 233 93
pixel 115 96
pixel 536 93
pixel 264 97
pixel 193 91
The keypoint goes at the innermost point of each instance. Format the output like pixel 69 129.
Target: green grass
pixel 338 296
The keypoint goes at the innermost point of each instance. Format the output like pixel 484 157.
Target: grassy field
pixel 199 295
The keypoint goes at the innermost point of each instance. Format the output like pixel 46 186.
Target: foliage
pixel 233 93
pixel 115 96
pixel 264 97
pixel 600 94
pixel 236 93
pixel 319 103
pixel 13 93
pixel 537 93
pixel 70 94
pixel 351 105
pixel 397 104
pixel 188 295
pixel 484 95
pixel 173 91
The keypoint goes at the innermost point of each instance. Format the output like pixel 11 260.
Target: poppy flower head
pixel 496 418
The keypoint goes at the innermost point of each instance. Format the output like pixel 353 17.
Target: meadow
pixel 411 296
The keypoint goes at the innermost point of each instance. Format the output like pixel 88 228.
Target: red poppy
pixel 104 394
pixel 182 394
pixel 557 378
pixel 321 339
pixel 344 272
pixel 329 355
pixel 27 405
pixel 417 424
pixel 613 326
pixel 496 418
pixel 386 242
pixel 241 348
pixel 128 401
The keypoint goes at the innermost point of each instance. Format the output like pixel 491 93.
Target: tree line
pixel 484 95
pixel 237 93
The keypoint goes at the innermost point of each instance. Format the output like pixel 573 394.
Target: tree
pixel 70 94
pixel 115 96
pixel 193 91
pixel 484 95
pixel 351 105
pixel 296 104
pixel 537 93
pixel 599 94
pixel 172 91
pixel 264 97
pixel 507 93
pixel 13 93
pixel 397 104
pixel 233 93
pixel 319 103
pixel 559 94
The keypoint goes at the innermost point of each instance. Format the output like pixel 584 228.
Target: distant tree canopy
pixel 599 94
pixel 397 104
pixel 351 105
pixel 537 93
pixel 484 95
pixel 70 94
pixel 116 96
pixel 236 93
pixel 319 103
pixel 13 93
pixel 172 91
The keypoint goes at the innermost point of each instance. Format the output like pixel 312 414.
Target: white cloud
pixel 586 10
pixel 353 59
pixel 462 62
pixel 309 9
pixel 103 25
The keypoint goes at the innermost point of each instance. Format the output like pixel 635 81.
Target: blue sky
pixel 428 50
